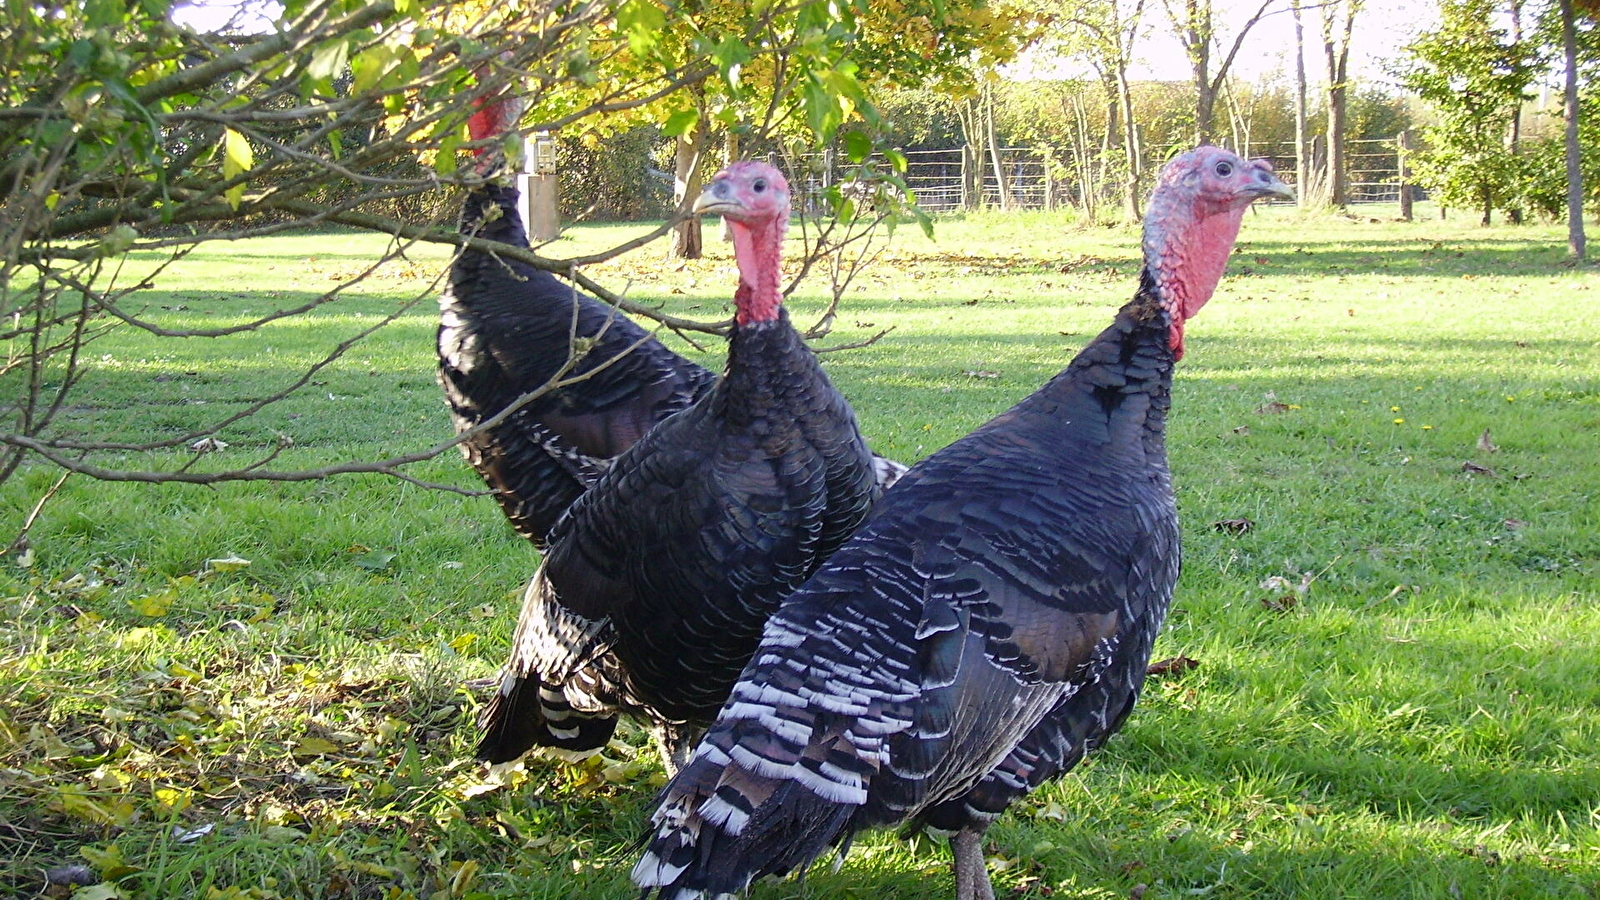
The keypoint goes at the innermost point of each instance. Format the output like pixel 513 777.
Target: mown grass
pixel 1396 694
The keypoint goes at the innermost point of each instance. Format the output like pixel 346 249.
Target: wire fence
pixel 1046 178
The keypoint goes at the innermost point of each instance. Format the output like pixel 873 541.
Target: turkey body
pixel 505 329
pixel 655 588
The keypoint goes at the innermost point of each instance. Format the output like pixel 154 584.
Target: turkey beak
pixel 1269 185
pixel 718 199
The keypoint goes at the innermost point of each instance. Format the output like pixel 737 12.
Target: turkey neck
pixel 490 212
pixel 757 248
pixel 770 388
pixel 1127 369
pixel 1118 388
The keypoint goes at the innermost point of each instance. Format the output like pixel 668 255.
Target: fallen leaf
pixel 980 373
pixel 1280 604
pixel 1172 665
pixel 71 873
pixel 1242 429
pixel 1514 524
pixel 375 561
pixel 155 605
pixel 190 835
pixel 1472 468
pixel 227 564
pixel 1234 526
pixel 1272 408
pixel 1485 445
pixel 314 746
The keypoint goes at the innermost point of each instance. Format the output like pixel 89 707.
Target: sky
pixel 1382 28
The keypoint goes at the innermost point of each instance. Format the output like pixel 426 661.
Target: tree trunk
pixel 686 236
pixel 1514 214
pixel 970 114
pixel 1402 169
pixel 1001 182
pixel 1302 140
pixel 1336 48
pixel 1135 153
pixel 1569 39
pixel 1205 105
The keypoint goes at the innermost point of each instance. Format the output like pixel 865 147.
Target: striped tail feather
pixel 525 713
pixel 720 825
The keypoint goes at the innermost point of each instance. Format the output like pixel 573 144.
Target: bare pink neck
pixel 1186 251
pixel 758 249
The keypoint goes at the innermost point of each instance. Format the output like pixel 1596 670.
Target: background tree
pixel 1194 23
pixel 1104 35
pixel 1474 76
pixel 1338 22
pixel 1572 153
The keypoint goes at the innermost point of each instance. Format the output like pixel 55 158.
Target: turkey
pixel 507 327
pixel 989 624
pixel 656 584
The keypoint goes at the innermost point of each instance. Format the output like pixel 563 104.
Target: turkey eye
pixel 1224 169
pixel 759 185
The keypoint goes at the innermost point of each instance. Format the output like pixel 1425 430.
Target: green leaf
pixel 369 66
pixel 897 160
pixel 857 146
pixel 642 21
pixel 680 122
pixel 730 57
pixel 328 60
pixel 375 561
pixel 314 746
pixel 444 161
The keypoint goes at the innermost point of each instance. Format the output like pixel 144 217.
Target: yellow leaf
pixel 314 746
pixel 173 800
pixel 155 605
pixel 237 158
pixel 227 564
pixel 111 812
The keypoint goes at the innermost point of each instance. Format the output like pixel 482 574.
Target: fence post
pixel 1403 150
pixel 1049 180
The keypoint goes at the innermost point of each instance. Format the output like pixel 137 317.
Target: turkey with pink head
pixel 990 623
pixel 657 582
pixel 507 327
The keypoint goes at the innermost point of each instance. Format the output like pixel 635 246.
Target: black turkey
pixel 992 620
pixel 656 584
pixel 507 327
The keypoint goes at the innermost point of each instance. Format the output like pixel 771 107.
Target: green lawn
pixel 1398 690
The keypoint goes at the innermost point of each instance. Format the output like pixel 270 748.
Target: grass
pixel 1396 694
